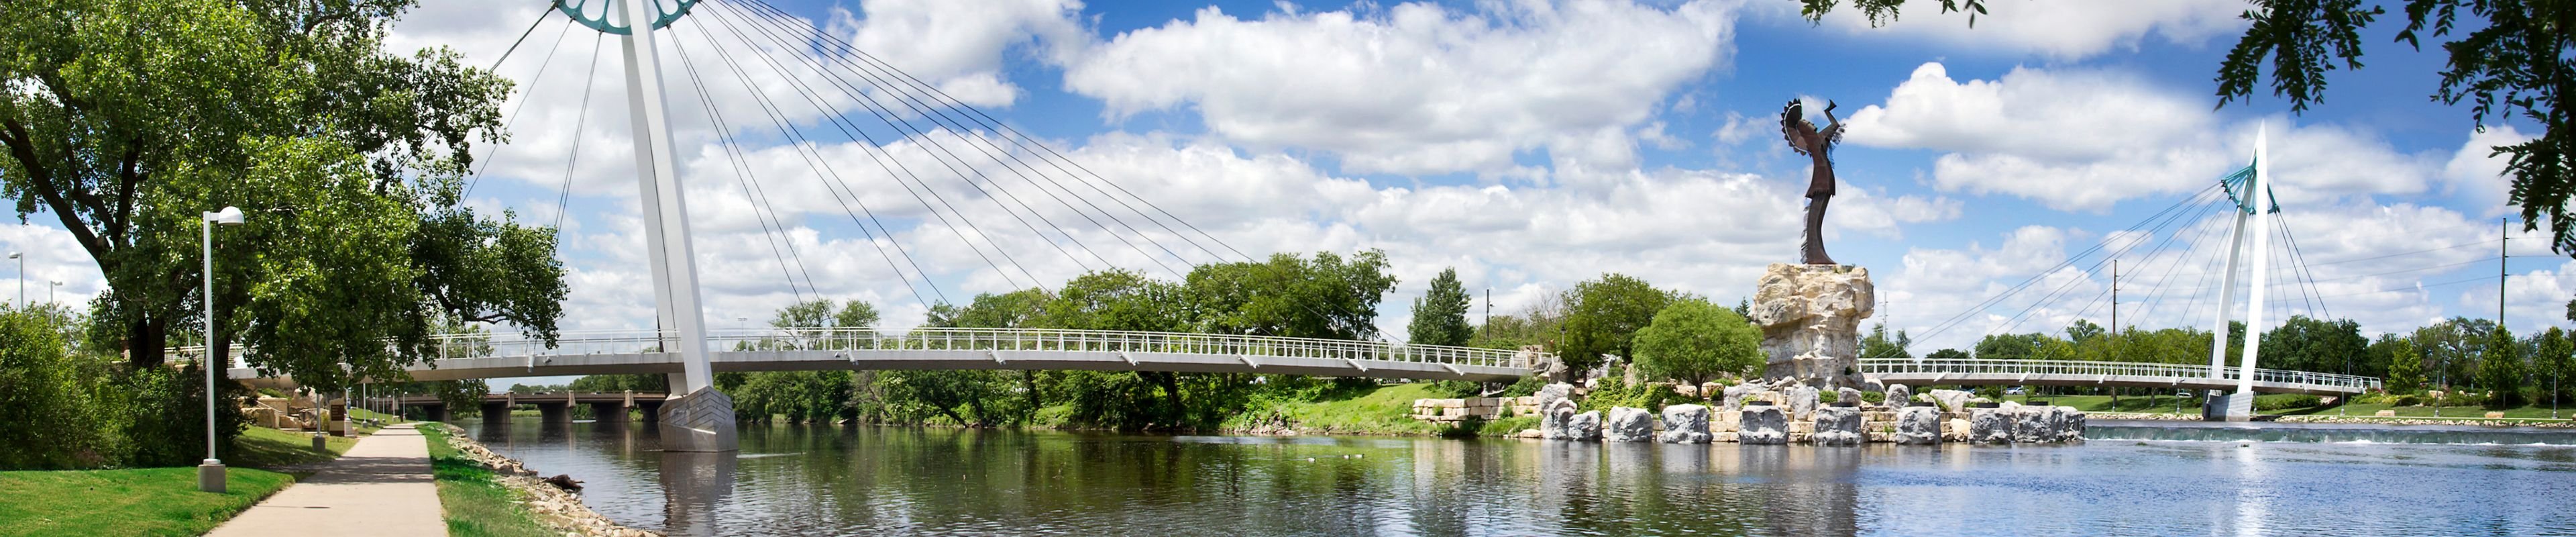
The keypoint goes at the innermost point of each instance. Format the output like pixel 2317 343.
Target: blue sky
pixel 1534 144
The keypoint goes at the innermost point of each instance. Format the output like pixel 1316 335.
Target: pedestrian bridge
pixel 484 356
pixel 1914 372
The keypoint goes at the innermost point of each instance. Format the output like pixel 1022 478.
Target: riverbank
pixel 157 501
pixel 487 494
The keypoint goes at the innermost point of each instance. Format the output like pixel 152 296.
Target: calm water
pixel 2135 478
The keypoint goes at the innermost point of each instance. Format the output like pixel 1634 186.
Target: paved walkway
pixel 381 487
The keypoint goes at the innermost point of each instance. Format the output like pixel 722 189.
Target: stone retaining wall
pixel 1452 411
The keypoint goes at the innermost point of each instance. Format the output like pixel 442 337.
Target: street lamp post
pixel 22 276
pixel 50 292
pixel 210 474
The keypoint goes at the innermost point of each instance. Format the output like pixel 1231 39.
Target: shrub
pixel 2286 401
pixel 1527 386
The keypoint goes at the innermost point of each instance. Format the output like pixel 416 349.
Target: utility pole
pixel 2115 300
pixel 1489 312
pixel 2503 236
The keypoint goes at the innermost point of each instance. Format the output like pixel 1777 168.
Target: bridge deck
pixel 958 348
pixel 2118 374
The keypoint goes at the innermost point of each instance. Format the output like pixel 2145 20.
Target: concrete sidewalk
pixel 381 487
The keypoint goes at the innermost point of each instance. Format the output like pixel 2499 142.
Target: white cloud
pixel 2059 30
pixel 48 254
pixel 2085 140
pixel 960 46
pixel 2476 175
pixel 1418 88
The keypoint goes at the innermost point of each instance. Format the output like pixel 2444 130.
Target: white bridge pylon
pixel 2253 196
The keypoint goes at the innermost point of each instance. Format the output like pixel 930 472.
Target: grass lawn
pixel 475 502
pixel 1373 410
pixel 154 501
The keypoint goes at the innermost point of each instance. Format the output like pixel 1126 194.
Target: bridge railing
pixel 2085 368
pixel 575 342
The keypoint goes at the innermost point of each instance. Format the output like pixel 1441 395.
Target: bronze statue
pixel 1818 147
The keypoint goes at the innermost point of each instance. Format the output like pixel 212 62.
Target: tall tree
pixel 1327 297
pixel 2405 363
pixel 126 118
pixel 1696 341
pixel 1440 316
pixel 2514 60
pixel 1878 345
pixel 2553 361
pixel 2500 369
pixel 1603 316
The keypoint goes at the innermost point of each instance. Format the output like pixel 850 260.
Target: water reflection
pixel 833 480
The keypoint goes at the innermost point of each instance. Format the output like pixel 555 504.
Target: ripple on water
pixel 865 480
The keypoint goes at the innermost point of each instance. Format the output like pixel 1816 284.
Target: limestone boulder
pixel 1552 392
pixel 1990 426
pixel 1838 426
pixel 1801 401
pixel 1711 390
pixel 1918 425
pixel 1954 427
pixel 1685 424
pixel 1849 394
pixel 1810 317
pixel 1952 400
pixel 1553 418
pixel 2070 424
pixel 1629 425
pixel 1584 427
pixel 1764 424
pixel 1735 396
pixel 2033 424
pixel 1898 395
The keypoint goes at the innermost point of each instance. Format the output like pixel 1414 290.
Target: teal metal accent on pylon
pixel 2234 183
pixel 583 11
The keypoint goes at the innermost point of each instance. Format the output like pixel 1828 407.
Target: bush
pixel 65 408
pixel 1614 392
pixel 2286 401
pixel 1525 387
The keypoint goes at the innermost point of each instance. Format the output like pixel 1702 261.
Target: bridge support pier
pixel 554 412
pixel 652 409
pixel 608 412
pixel 433 412
pixel 496 411
pixel 701 421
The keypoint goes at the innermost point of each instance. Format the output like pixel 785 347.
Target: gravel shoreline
pixel 555 507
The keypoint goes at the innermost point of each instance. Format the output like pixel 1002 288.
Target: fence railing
pixel 485 345
pixel 2088 368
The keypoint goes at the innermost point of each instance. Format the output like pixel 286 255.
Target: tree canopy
pixel 124 119
pixel 1440 316
pixel 1603 316
pixel 1696 341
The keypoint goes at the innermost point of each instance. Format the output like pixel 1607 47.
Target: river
pixel 2133 478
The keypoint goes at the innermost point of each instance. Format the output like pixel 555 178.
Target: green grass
pixel 155 501
pixel 138 501
pixel 1372 410
pixel 476 503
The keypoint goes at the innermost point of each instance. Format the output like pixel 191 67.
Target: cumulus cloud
pixel 2476 175
pixel 1418 88
pixel 2086 140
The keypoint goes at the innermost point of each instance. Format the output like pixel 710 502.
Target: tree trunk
pixel 147 342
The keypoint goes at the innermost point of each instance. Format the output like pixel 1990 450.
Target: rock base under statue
pixel 701 421
pixel 1810 317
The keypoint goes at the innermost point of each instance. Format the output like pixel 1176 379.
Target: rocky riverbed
pixel 555 507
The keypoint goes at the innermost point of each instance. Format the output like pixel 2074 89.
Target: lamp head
pixel 230 216
pixel 14 255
